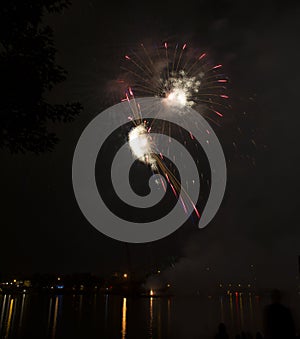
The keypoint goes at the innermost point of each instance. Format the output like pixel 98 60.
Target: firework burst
pixel 182 78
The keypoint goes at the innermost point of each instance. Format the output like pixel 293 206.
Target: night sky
pixel 42 228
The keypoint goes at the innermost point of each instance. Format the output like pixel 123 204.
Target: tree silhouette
pixel 28 70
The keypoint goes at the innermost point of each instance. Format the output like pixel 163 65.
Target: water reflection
pixel 10 312
pixel 241 311
pixel 222 309
pixel 53 314
pixel 22 311
pixel 106 313
pixel 159 318
pixel 169 316
pixel 2 310
pixel 124 313
pixel 7 315
pixel 55 317
pixel 80 306
pixel 62 316
pixel 151 318
pixel 251 310
pixel 231 308
pixel 49 313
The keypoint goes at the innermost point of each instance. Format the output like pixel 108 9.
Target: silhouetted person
pixel 259 335
pixel 277 319
pixel 222 333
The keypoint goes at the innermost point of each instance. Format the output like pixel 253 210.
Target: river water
pixel 117 317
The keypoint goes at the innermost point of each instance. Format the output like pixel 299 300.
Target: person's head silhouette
pixel 277 319
pixel 222 328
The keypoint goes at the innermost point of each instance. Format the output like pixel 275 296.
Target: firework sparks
pixel 181 76
pixel 182 80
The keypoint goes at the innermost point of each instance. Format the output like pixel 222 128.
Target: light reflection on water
pixel 7 315
pixel 107 316
pixel 21 312
pixel 151 318
pixel 10 312
pixel 124 314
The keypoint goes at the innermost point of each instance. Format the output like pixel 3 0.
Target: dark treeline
pixel 29 71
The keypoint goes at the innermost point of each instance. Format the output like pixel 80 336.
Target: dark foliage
pixel 28 70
